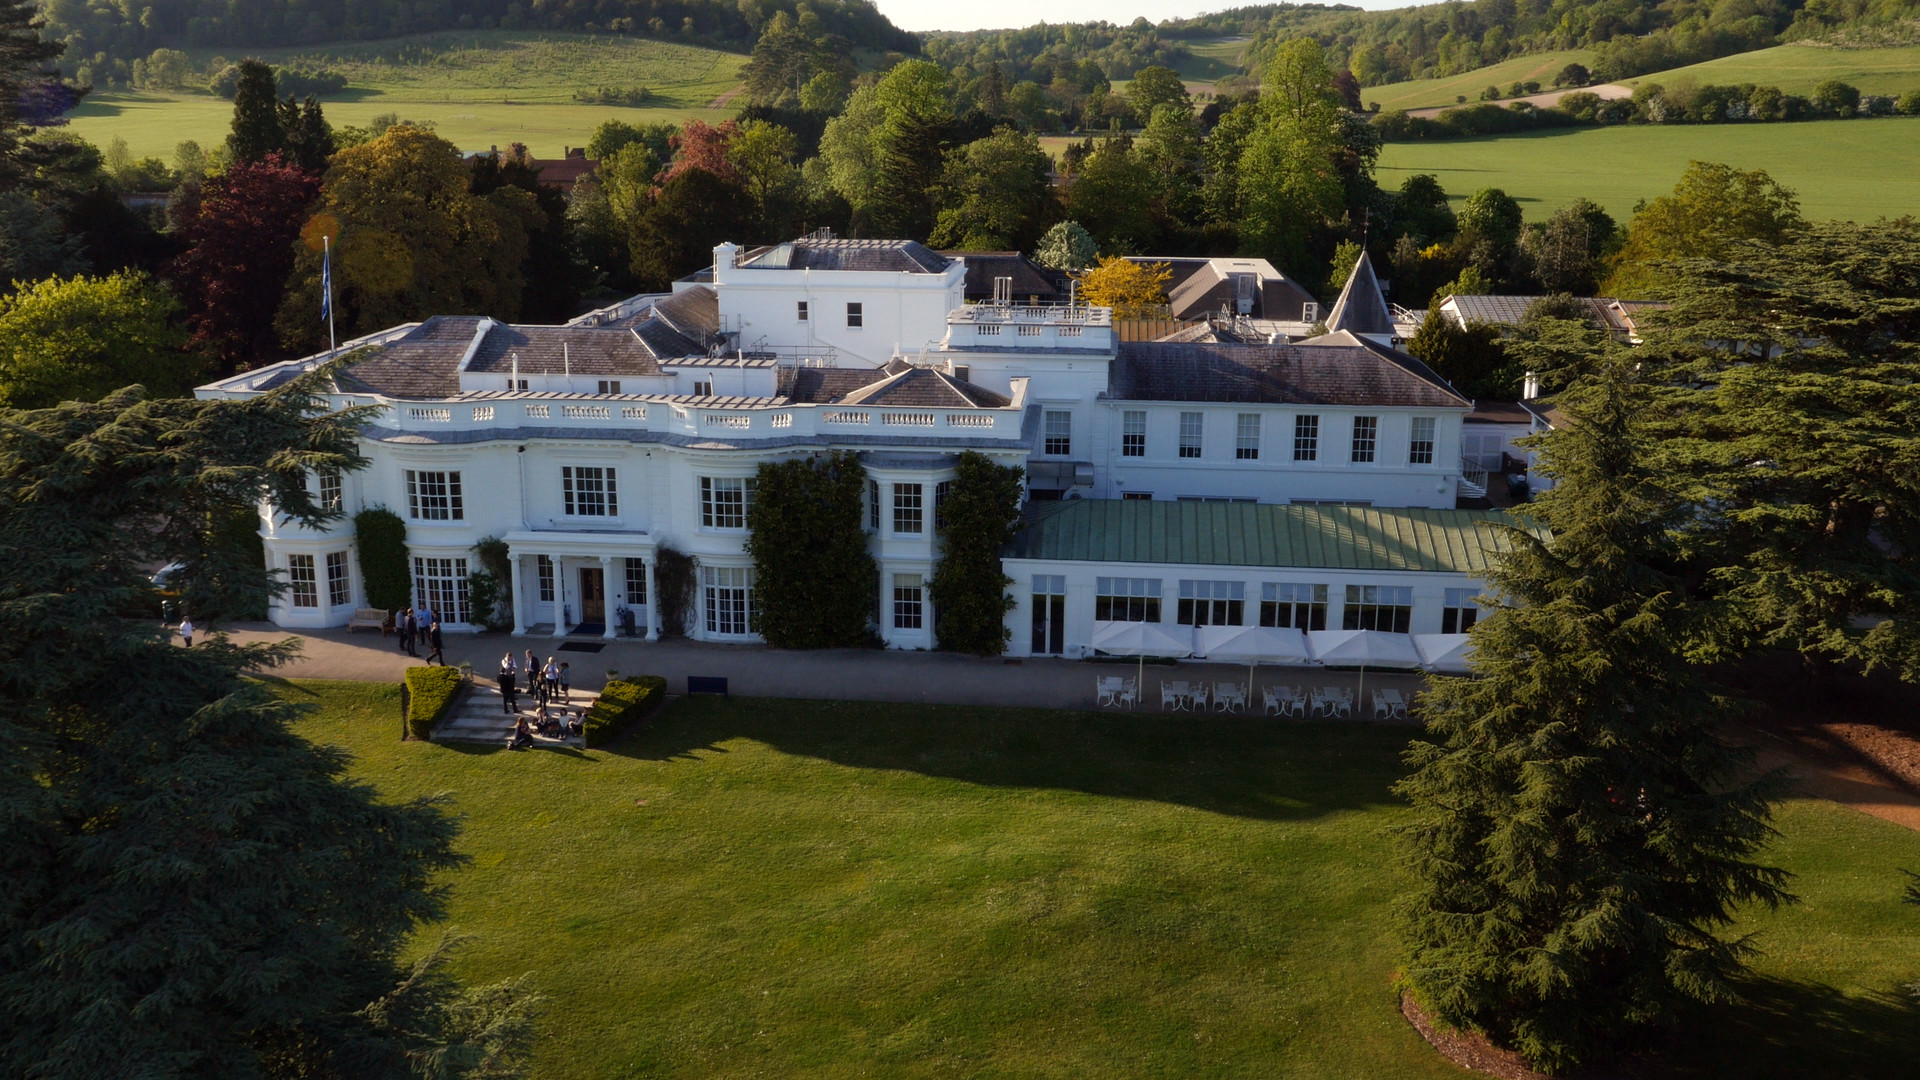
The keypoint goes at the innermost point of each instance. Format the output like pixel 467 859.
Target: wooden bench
pixel 367 618
pixel 707 684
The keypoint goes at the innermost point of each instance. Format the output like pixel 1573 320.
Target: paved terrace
pixel 831 674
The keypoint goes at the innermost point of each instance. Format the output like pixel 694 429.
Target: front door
pixel 593 595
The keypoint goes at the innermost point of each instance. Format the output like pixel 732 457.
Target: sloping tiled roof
pixel 899 384
pixel 554 349
pixel 1030 282
pixel 1329 370
pixel 1605 313
pixel 1211 287
pixel 823 386
pixel 896 256
pixel 1248 534
pixel 1361 309
pixel 422 364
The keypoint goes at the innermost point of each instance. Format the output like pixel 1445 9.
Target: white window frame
pixel 1056 432
pixel 610 386
pixel 1122 599
pixel 1420 447
pixel 909 602
pixel 426 504
pixel 303 587
pixel 332 489
pixel 1211 603
pixel 1193 434
pixel 1365 449
pixel 1378 607
pixel 909 507
pixel 1133 433
pixel 722 502
pixel 440 583
pixel 1459 612
pixel 1306 437
pixel 726 600
pixel 589 491
pixel 800 311
pixel 636 582
pixel 340 584
pixel 856 315
pixel 1246 437
pixel 1298 604
pixel 543 576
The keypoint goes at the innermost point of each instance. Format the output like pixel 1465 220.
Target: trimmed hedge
pixel 430 692
pixel 621 703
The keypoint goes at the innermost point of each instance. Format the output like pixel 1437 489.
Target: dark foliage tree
pixel 24 55
pixel 1710 212
pixel 191 888
pixel 1580 833
pixel 1805 433
pixel 309 138
pixel 977 516
pixel 676 232
pixel 995 193
pixel 554 277
pixel 79 339
pixel 1566 250
pixel 814 578
pixel 385 573
pixel 259 128
pixel 1421 211
pixel 241 227
pixel 1472 357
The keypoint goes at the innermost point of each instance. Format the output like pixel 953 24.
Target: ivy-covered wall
pixel 980 512
pixel 813 575
pixel 382 539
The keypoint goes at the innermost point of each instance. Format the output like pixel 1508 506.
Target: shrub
pixel 813 574
pixel 620 704
pixel 1491 93
pixel 1909 104
pixel 1573 75
pixel 382 539
pixel 970 590
pixel 1836 98
pixel 430 692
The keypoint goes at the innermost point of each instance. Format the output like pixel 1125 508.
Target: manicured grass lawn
pixel 1797 69
pixel 1434 93
pixel 1847 169
pixel 809 889
pixel 481 88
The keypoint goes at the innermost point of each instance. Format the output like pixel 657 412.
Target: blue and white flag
pixel 326 283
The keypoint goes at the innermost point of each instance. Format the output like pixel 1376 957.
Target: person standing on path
pixel 400 629
pixel 509 698
pixel 532 668
pixel 186 631
pixel 433 637
pixel 411 633
pixel 566 684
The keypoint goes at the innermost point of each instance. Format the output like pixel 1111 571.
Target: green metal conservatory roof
pixel 1249 534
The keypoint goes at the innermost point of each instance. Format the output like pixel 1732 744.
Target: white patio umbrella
pixel 1367 648
pixel 1141 639
pixel 1445 653
pixel 1255 645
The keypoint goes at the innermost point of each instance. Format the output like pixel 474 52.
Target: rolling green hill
pixel 1849 169
pixel 1436 93
pixel 481 89
pixel 1798 68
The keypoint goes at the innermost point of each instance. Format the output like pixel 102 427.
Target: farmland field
pixel 481 88
pixel 1797 69
pixel 1433 93
pixel 1846 169
pixel 824 889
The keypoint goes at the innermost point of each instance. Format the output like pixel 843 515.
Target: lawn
pixel 480 88
pixel 1433 93
pixel 1847 169
pixel 808 889
pixel 1798 68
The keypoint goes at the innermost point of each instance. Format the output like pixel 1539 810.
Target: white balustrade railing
pixel 539 412
pixel 907 419
pixel 738 422
pixel 845 418
pixel 430 415
pixel 483 414
pixel 586 412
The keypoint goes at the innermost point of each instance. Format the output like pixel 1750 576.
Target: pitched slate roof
pixel 423 363
pixel 556 349
pixel 899 384
pixel 1030 282
pixel 1334 369
pixel 1361 309
pixel 896 256
pixel 1211 287
pixel 1605 313
pixel 1248 534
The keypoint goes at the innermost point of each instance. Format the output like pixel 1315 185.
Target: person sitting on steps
pixel 522 735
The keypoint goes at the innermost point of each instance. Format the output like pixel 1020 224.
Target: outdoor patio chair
pixel 1107 688
pixel 1178 695
pixel 1284 701
pixel 1129 693
pixel 1226 696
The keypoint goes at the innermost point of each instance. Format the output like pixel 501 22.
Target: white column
pixel 520 601
pixel 606 593
pixel 653 604
pixel 559 597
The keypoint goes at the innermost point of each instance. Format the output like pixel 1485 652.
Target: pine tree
pixel 191 888
pixel 1580 832
pixel 23 55
pixel 309 137
pixel 259 127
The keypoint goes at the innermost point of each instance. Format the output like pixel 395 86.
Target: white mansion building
pixel 1301 483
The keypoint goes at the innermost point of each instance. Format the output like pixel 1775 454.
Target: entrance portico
pixel 570 579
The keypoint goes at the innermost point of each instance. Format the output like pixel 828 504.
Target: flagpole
pixel 326 281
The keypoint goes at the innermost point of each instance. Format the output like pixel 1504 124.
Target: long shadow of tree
pixel 1244 766
pixel 1786 1029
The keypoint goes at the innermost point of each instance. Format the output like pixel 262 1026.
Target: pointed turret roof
pixel 1361 309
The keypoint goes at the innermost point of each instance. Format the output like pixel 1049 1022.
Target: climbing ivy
pixel 490 588
pixel 673 590
pixel 382 539
pixel 813 575
pixel 979 514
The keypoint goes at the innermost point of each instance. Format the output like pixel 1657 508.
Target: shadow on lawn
pixel 1791 1029
pixel 1246 767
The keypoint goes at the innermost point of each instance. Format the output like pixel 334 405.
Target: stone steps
pixel 477 716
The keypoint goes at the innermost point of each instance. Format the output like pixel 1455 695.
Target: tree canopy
pixel 80 338
pixel 1710 211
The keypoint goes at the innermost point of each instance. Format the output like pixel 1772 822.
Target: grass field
pixel 1845 169
pixel 481 88
pixel 1797 69
pixel 810 889
pixel 1432 93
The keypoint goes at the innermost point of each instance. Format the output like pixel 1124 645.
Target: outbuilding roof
pixel 1254 534
pixel 1333 369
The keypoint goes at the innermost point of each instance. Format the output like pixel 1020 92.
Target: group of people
pixel 550 685
pixel 419 628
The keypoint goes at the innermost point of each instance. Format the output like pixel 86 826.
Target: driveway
pixel 1547 100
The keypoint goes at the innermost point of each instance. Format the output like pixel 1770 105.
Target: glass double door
pixel 1049 614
